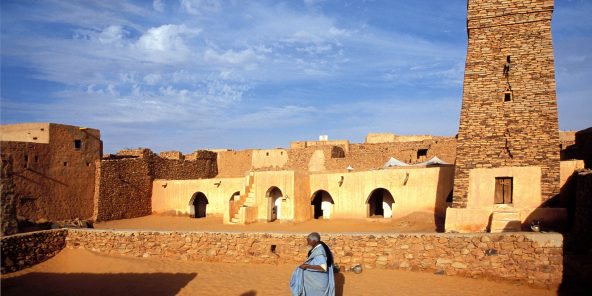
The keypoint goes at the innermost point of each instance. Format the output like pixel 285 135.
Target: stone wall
pixel 334 155
pixel 203 166
pixel 172 155
pixel 370 156
pixel 124 190
pixel 8 198
pixel 532 258
pixel 522 129
pixel 387 138
pixel 125 180
pixel 25 250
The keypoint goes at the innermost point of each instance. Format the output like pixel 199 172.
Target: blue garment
pixel 312 282
pixel 297 282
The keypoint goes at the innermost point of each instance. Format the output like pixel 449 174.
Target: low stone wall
pixel 532 258
pixel 27 249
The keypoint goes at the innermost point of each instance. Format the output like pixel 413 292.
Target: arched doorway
pixel 274 195
pixel 322 205
pixel 235 196
pixel 233 204
pixel 380 203
pixel 198 205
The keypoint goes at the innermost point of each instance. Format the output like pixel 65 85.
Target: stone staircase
pixel 246 200
pixel 505 219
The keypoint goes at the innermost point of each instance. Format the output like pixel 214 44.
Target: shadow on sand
pixel 37 283
pixel 577 269
pixel 339 283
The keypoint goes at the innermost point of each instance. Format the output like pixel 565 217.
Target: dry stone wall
pixel 172 155
pixel 372 156
pixel 203 166
pixel 530 258
pixel 522 129
pixel 125 189
pixel 25 250
pixel 8 198
pixel 125 180
pixel 362 156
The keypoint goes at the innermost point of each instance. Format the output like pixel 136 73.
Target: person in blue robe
pixel 315 276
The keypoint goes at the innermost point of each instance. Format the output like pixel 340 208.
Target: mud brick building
pixel 53 169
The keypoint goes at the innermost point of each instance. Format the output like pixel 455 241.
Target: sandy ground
pixel 80 272
pixel 418 222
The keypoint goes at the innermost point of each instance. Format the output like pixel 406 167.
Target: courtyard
pixel 417 222
pixel 80 272
pixel 448 170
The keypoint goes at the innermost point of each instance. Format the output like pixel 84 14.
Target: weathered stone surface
pixel 8 198
pixel 442 261
pixel 522 131
pixel 538 266
pixel 459 265
pixel 24 250
pixel 124 181
pixel 518 261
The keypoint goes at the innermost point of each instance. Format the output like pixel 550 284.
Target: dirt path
pixel 80 272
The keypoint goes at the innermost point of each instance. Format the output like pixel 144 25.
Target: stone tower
pixel 508 139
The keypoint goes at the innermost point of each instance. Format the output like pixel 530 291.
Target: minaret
pixel 508 139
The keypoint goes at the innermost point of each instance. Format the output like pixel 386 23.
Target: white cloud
pixel 191 68
pixel 112 34
pixel 219 91
pixel 166 38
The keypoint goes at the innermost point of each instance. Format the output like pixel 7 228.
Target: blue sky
pixel 189 74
